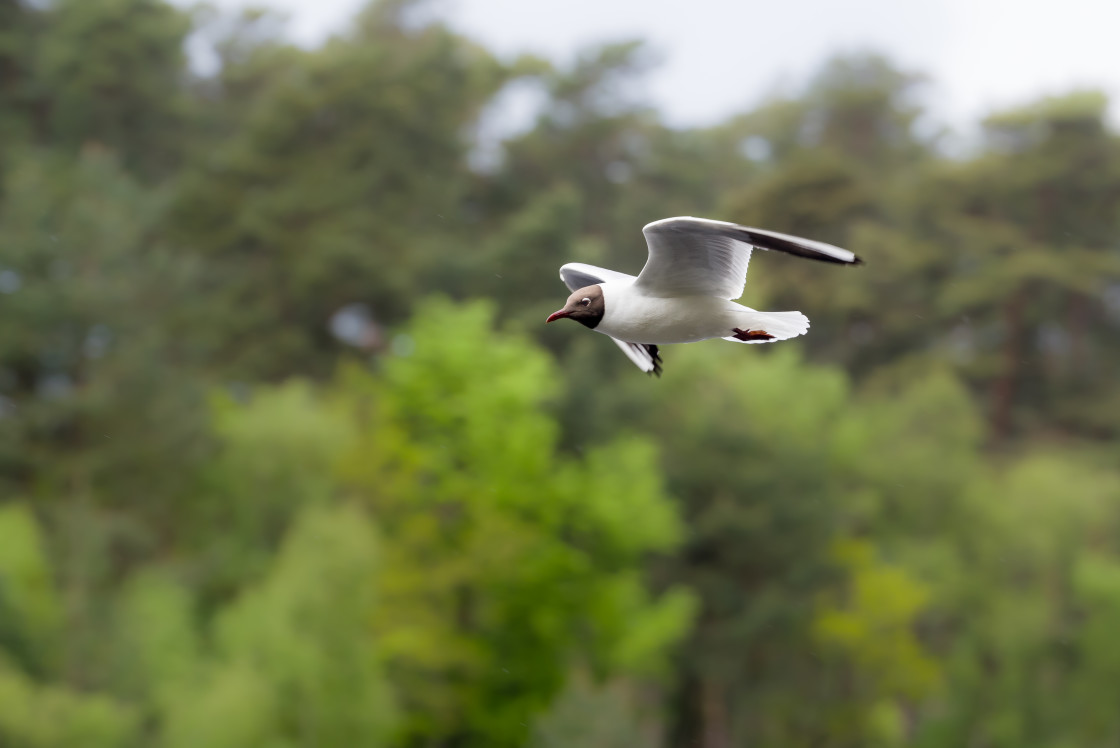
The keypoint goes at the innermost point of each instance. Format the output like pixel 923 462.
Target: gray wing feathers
pixel 699 256
pixel 686 262
pixel 578 275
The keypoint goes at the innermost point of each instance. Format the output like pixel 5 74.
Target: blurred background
pixel 288 457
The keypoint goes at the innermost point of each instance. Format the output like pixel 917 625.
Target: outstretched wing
pixel 644 355
pixel 577 275
pixel 700 257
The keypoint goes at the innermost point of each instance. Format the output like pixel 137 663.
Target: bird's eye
pixel 585 301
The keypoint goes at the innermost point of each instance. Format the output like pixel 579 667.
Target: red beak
pixel 557 315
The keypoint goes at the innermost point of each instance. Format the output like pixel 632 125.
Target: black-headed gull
pixel 686 291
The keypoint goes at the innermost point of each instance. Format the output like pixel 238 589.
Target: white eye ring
pixel 585 301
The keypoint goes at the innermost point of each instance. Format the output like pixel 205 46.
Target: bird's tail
pixel 768 327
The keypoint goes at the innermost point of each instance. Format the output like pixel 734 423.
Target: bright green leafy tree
pixel 505 564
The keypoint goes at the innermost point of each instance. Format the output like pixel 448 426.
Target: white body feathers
pixel 636 317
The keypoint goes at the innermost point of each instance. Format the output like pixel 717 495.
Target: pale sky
pixel 719 57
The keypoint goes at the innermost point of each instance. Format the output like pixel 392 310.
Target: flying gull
pixel 686 291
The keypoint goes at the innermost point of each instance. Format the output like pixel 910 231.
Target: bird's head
pixel 586 306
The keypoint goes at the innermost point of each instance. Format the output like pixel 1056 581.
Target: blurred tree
pixel 863 106
pixel 548 227
pixel 594 136
pixel 111 73
pixel 837 164
pixel 1026 593
pixel 100 424
pixel 253 56
pixel 295 664
pixel 505 564
pixel 20 25
pixel 879 666
pixel 611 715
pixel 344 183
pixel 1033 222
pixel 96 399
pixel 32 615
pixel 588 133
pixel 36 711
pixel 864 571
pixel 774 462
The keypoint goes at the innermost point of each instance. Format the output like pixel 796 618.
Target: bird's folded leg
pixel 751 334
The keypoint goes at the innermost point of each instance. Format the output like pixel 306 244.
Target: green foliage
pixel 18 31
pixel 502 558
pixel 53 717
pixel 606 716
pixel 807 460
pixel 286 669
pixel 91 342
pixel 278 451
pixel 872 633
pixel 159 645
pixel 897 530
pixel 30 614
pixel 33 711
pixel 354 150
pixel 80 63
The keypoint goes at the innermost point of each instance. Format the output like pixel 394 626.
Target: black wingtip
pixel 857 261
pixel 655 356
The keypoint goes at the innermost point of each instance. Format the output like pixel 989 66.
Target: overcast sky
pixel 721 56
